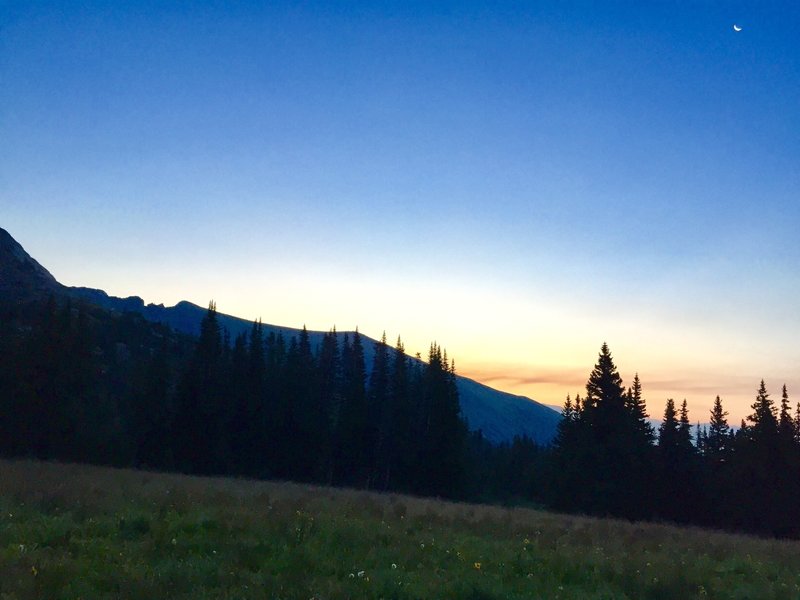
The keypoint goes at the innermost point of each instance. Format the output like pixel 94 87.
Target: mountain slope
pixel 23 279
pixel 501 416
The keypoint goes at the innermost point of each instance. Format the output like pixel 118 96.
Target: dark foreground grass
pixel 69 531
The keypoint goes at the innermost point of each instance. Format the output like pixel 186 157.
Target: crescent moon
pixel 737 28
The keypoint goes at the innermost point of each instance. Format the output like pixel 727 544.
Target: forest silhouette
pixel 78 383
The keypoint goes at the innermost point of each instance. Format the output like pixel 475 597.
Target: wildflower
pixel 477 565
pixel 361 573
pixel 422 546
pixel 174 541
pixel 35 571
pixel 394 566
pixel 351 575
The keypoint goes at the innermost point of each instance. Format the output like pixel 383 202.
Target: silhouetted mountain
pixel 23 279
pixel 499 415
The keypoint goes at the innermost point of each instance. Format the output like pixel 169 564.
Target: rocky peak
pixel 21 277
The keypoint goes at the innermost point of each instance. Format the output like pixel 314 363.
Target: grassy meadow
pixel 72 531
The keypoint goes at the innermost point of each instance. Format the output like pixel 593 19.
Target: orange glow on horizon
pixel 551 386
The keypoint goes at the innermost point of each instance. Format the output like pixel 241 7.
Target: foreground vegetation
pixel 69 531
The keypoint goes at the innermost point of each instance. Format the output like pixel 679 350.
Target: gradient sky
pixel 518 181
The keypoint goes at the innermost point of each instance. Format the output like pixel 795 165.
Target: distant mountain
pixel 499 415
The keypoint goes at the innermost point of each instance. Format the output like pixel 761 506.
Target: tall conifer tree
pixel 636 407
pixel 685 429
pixel 718 441
pixel 764 422
pixel 785 420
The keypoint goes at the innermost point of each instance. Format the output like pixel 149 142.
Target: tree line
pixel 78 383
pixel 82 384
pixel 608 460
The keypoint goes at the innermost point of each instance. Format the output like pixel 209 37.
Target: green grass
pixel 69 531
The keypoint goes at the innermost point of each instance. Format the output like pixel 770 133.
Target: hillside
pixel 22 279
pixel 72 531
pixel 499 415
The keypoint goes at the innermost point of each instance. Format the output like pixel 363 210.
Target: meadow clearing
pixel 75 531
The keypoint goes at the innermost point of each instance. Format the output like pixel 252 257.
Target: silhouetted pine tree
pixel 257 409
pixel 330 397
pixel 764 426
pixel 700 436
pixel 565 430
pixel 616 454
pixel 199 435
pixel 719 474
pixel 759 465
pixel 306 420
pixel 442 445
pixel 785 421
pixel 400 440
pixel 797 424
pixel 668 430
pixel 787 473
pixel 379 412
pixel 276 407
pixel 685 430
pixel 718 442
pixel 638 411
pixel 566 487
pixel 676 465
pixel 353 443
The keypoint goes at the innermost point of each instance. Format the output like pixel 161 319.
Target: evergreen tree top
pixel 604 384
pixel 764 419
pixel 669 423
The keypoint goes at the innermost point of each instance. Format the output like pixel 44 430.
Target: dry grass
pixel 69 531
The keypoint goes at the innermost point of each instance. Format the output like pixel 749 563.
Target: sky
pixel 519 182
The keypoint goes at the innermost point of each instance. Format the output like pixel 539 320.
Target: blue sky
pixel 519 181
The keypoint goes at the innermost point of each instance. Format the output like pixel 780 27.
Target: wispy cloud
pixel 518 377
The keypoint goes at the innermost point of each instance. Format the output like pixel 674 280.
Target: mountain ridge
pixel 21 277
pixel 499 415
